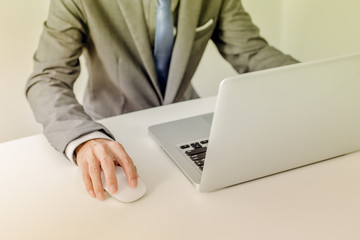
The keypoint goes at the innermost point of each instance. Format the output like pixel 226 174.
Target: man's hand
pixel 97 154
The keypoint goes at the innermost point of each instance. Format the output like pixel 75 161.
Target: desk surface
pixel 42 196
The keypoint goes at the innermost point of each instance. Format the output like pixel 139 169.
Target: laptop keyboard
pixel 196 152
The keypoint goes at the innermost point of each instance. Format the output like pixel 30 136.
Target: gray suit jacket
pixel 113 36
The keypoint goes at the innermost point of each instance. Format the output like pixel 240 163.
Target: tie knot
pixel 164 3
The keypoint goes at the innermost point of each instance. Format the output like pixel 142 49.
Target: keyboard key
pixel 204 142
pixel 199 156
pixel 184 146
pixel 196 145
pixel 196 151
pixel 200 163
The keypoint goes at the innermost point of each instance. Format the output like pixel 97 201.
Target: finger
pixel 95 174
pixel 87 181
pixel 88 184
pixel 127 164
pixel 109 171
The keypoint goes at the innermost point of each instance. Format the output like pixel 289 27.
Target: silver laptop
pixel 268 122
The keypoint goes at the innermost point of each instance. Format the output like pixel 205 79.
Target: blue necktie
pixel 164 41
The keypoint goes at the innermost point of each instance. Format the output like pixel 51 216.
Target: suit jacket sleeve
pixel 56 67
pixel 239 42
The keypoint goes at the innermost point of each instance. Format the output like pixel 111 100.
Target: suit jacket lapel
pixel 189 12
pixel 135 19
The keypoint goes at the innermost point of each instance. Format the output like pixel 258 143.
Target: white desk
pixel 42 196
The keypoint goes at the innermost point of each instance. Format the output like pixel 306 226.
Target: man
pixel 119 41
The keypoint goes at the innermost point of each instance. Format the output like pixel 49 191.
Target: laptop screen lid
pixel 279 119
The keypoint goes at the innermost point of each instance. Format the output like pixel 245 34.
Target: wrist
pixel 75 146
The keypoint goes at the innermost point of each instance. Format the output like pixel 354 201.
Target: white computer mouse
pixel 125 193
